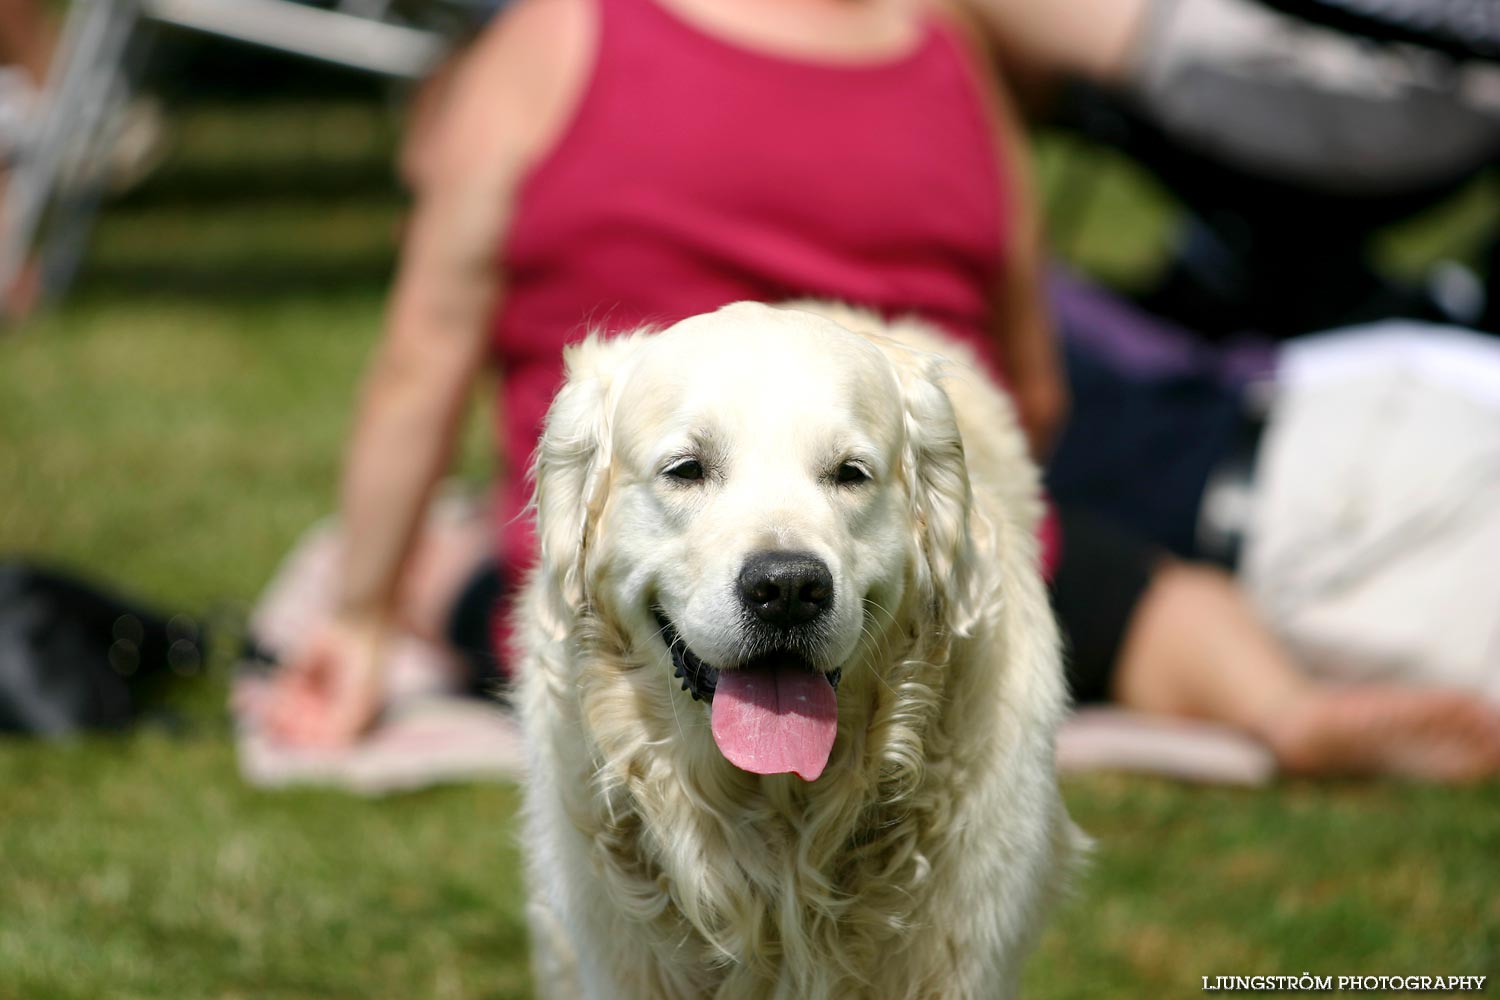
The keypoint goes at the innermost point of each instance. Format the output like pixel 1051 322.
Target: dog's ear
pixel 570 470
pixel 937 482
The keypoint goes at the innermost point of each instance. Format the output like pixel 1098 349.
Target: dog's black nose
pixel 786 588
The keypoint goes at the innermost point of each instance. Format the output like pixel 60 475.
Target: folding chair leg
pixel 87 73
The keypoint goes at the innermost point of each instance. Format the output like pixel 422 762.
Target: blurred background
pixel 197 255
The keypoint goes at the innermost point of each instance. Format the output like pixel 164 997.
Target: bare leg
pixel 1195 648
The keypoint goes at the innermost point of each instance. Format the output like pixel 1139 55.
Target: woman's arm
pixel 504 100
pixel 1023 325
pixel 1088 38
pixel 414 395
pixel 1020 326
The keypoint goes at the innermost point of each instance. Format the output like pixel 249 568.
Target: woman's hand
pixel 331 691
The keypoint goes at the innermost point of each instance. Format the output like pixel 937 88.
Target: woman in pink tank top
pixel 606 163
pixel 695 171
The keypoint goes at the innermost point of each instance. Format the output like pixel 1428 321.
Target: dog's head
pixel 761 502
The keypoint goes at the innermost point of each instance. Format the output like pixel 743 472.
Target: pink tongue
pixel 774 719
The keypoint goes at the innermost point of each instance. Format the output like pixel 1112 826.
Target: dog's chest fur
pixel 806 897
pixel 770 885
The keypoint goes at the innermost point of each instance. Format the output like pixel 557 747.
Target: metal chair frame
pixel 54 184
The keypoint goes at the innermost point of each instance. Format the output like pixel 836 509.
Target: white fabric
pixel 1468 363
pixel 1375 532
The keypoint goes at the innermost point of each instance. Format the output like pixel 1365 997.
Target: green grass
pixel 142 867
pixel 178 422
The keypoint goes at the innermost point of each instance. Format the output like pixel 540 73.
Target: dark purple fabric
pixel 1155 412
pixel 1116 332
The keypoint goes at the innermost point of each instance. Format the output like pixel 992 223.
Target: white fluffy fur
pixel 921 863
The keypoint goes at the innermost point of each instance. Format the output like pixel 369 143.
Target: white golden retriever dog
pixel 791 680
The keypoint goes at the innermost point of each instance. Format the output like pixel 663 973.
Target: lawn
pixel 175 424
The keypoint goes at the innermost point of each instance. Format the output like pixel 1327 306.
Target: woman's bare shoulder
pixel 516 86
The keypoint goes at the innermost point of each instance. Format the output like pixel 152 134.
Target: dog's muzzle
pixel 699 679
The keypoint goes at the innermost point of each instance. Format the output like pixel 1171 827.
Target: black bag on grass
pixel 74 656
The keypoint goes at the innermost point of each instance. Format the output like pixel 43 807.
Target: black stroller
pixel 1288 172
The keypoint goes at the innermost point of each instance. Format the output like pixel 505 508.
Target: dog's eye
pixel 849 474
pixel 689 470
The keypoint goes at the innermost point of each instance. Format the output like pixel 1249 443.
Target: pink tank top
pixel 696 172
